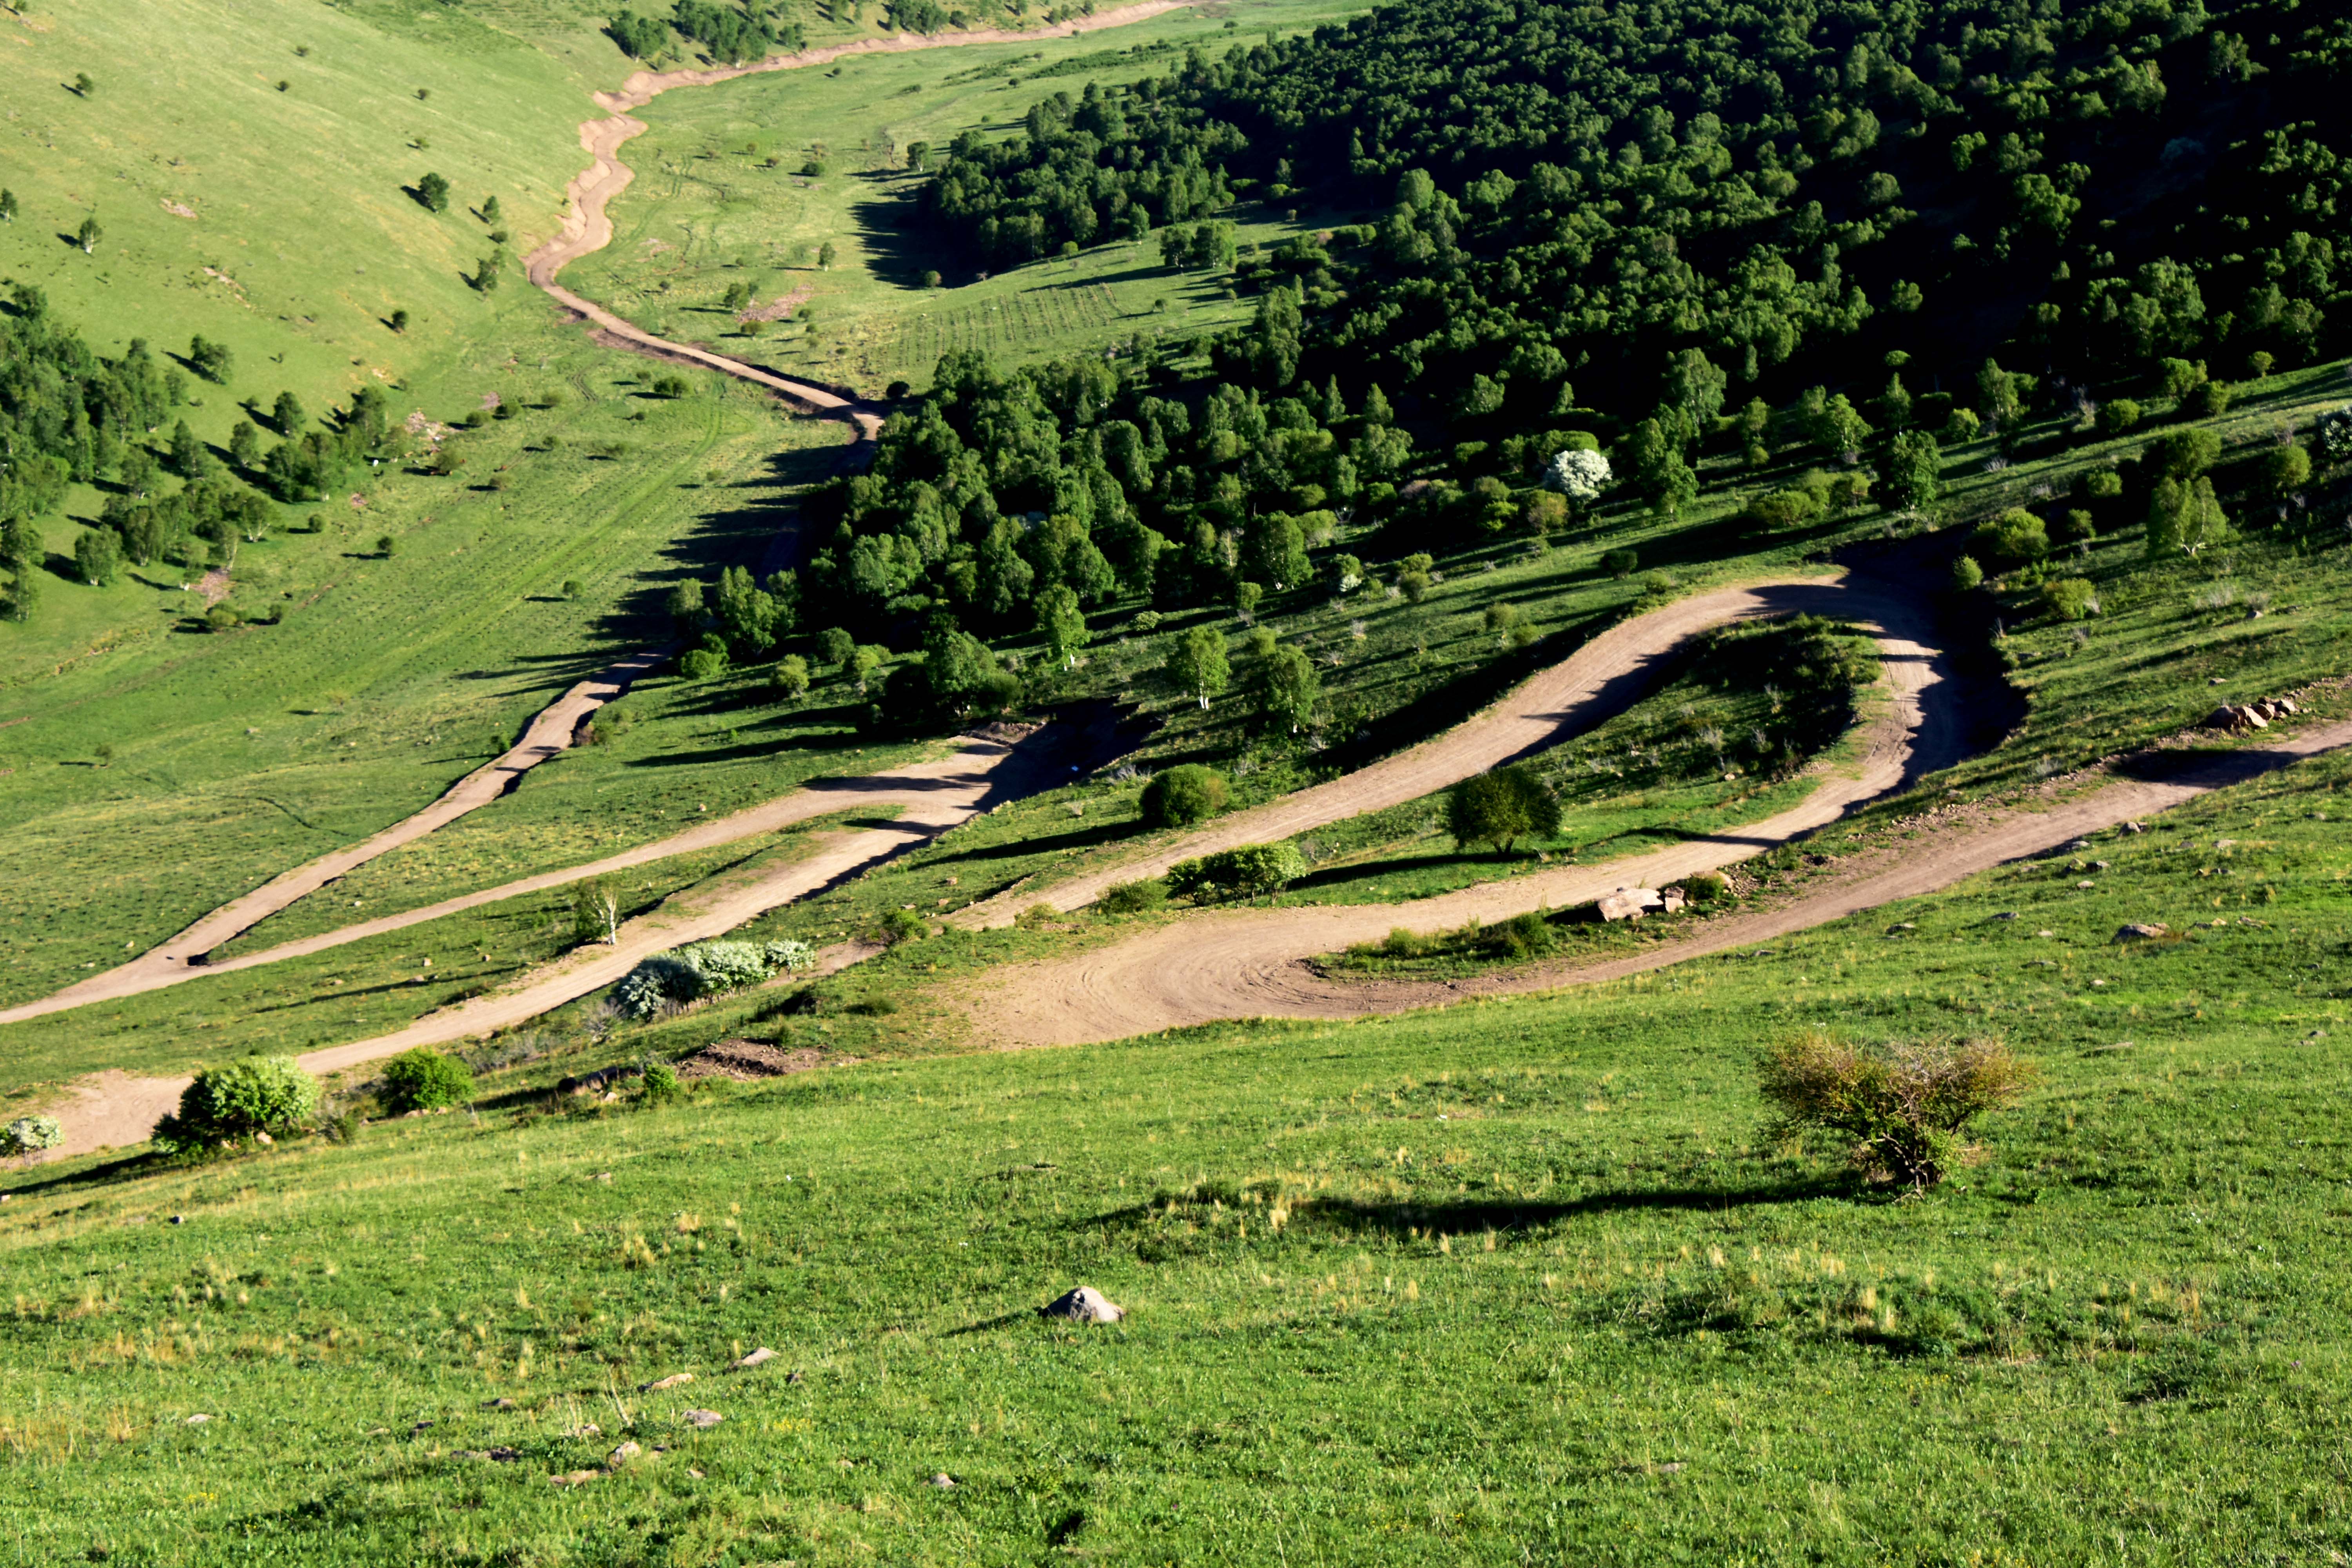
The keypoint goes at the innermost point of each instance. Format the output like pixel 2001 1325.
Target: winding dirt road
pixel 183 957
pixel 587 227
pixel 1250 964
pixel 978 772
pixel 1601 679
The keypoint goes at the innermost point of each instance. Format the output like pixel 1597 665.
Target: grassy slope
pixel 234 757
pixel 706 212
pixel 1583 1312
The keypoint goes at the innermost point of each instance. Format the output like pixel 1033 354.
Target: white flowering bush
pixel 30 1135
pixel 669 980
pixel 1579 476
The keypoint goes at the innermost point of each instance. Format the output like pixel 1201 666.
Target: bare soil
pixel 1605 676
pixel 1222 965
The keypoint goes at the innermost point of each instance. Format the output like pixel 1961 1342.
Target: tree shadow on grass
pixel 1483 1215
pixel 899 247
pixel 1428 1221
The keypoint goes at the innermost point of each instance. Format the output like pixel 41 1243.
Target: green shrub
pixel 2071 598
pixel 1404 943
pixel 2118 415
pixel 702 664
pixel 1708 887
pixel 895 926
pixel 1782 509
pixel 1903 1107
pixel 2284 470
pixel 1183 794
pixel 1250 869
pixel 1501 807
pixel 1620 563
pixel 2014 538
pixel 1522 936
pixel 792 678
pixel 425 1080
pixel 259 1094
pixel 1967 574
pixel 1133 898
pixel 659 1082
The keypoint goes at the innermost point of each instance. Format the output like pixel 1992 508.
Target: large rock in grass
pixel 1084 1305
pixel 2150 932
pixel 1629 903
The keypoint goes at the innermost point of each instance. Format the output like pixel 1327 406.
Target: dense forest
pixel 1583 249
pixel 728 35
pixel 1792 189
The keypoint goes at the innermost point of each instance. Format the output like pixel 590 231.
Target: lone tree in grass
pixel 490 209
pixel 98 556
pixel 1501 807
pixel 1291 689
pixel 597 912
pixel 7 204
pixel 1063 622
pixel 289 415
pixel 433 191
pixel 210 360
pixel 397 320
pixel 89 235
pixel 1198 665
pixel 1905 1107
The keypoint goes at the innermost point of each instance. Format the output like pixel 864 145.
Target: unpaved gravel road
pixel 114 1110
pixel 587 227
pixel 182 958
pixel 1599 679
pixel 1253 964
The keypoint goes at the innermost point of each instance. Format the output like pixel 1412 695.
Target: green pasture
pixel 1521 1278
pixel 720 201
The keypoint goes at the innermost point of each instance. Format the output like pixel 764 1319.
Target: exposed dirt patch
pixel 747 1061
pixel 782 307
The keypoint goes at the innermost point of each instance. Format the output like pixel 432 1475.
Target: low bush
pixel 224 1104
pixel 1250 870
pixel 689 974
pixel 425 1080
pixel 1134 898
pixel 1523 936
pixel 2071 598
pixel 1905 1106
pixel 1708 887
pixel 1183 794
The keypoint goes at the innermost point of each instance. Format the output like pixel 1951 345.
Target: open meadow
pixel 1290 508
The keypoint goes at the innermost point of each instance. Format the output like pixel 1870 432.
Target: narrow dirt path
pixel 1603 678
pixel 1238 963
pixel 1253 964
pixel 182 958
pixel 917 787
pixel 587 227
pixel 115 1110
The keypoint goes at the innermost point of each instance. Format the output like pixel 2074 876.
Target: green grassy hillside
pixel 1514 1279
pixel 721 201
